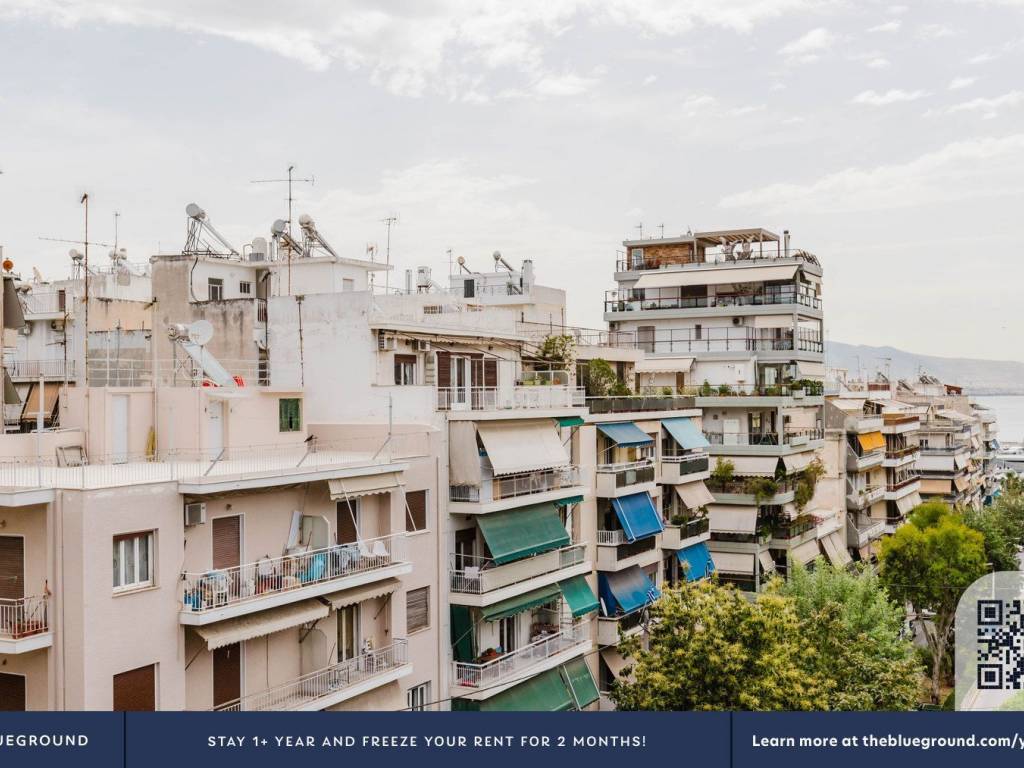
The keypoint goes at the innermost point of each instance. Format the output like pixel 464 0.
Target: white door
pixel 731 430
pixel 460 382
pixel 214 428
pixel 119 428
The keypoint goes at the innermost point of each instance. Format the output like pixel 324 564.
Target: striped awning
pixel 267 622
pixel 359 594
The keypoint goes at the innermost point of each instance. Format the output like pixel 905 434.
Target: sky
pixel 888 138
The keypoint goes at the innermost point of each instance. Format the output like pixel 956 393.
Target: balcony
pixel 330 686
pixel 861 498
pixel 546 653
pixel 221 594
pixel 610 628
pixel 479 576
pixel 897 489
pixel 766 443
pixel 548 484
pixel 686 534
pixel 684 468
pixel 23 370
pixel 742 492
pixel 628 300
pixel 43 304
pixel 791 533
pixel 25 625
pixel 640 403
pixel 621 479
pixel 857 461
pixel 861 532
pixel 540 397
pixel 615 552
pixel 901 456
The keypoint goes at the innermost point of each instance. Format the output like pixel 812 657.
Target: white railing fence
pixel 25 617
pixel 510 665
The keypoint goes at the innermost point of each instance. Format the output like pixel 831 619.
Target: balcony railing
pixel 304 692
pixel 687 464
pixel 899 453
pixel 790 529
pixel 215 589
pixel 629 301
pixel 508 398
pixel 511 666
pixel 760 253
pixel 792 437
pixel 629 473
pixel 623 547
pixel 638 403
pixel 695 526
pixel 24 618
pixel 479 575
pixel 47 302
pixel 33 369
pixel 685 341
pixel 512 486
pixel 896 485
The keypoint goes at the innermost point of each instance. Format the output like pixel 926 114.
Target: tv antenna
pixel 289 181
pixel 388 221
pixel 662 228
pixel 640 227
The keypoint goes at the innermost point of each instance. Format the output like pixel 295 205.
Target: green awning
pixel 579 596
pixel 546 692
pixel 567 502
pixel 570 421
pixel 580 682
pixel 521 603
pixel 518 533
pixel 462 633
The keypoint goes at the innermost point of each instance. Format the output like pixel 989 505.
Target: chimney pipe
pixel 785 241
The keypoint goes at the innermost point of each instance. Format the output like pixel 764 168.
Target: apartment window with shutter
pixel 417 698
pixel 289 411
pixel 12 692
pixel 245 288
pixel 133 561
pixel 416 514
pixel 215 288
pixel 135 690
pixel 696 331
pixel 405 370
pixel 417 609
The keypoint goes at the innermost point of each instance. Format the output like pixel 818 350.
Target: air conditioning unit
pixel 422 345
pixel 195 514
pixel 387 343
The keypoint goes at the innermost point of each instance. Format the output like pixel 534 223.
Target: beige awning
pixel 960 460
pixel 267 622
pixel 664 365
pixel 930 463
pixel 753 465
pixel 813 370
pixel 805 552
pixel 352 487
pixel 961 483
pixel 767 564
pixel 14 316
pixel 733 562
pixel 10 393
pixel 359 594
pixel 908 502
pixel 797 462
pixel 463 454
pixel 835 550
pixel 773 321
pixel 30 408
pixel 865 553
pixel 616 663
pixel 522 446
pixel 960 418
pixel 678 278
pixel 935 486
pixel 725 518
pixel 694 495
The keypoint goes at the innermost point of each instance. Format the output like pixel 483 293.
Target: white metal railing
pixel 611 538
pixel 33 369
pixel 24 618
pixel 127 372
pixel 46 302
pixel 511 665
pixel 306 690
pixel 219 588
pixel 521 484
pixel 508 398
pixel 479 575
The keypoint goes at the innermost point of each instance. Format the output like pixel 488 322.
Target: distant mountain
pixel 979 377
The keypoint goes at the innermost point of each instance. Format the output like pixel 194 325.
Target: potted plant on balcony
pixel 763 489
pixel 722 474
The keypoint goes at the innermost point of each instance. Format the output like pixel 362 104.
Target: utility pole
pixel 388 221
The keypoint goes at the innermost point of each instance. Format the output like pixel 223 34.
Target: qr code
pixel 1000 644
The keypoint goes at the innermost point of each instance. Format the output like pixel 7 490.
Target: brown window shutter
pixel 491 373
pixel 227 542
pixel 444 370
pixel 416 519
pixel 347 532
pixel 12 567
pixel 403 360
pixel 227 674
pixel 135 691
pixel 417 609
pixel 12 693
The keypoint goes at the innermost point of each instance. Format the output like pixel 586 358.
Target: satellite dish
pixel 200 332
pixel 278 227
pixel 193 211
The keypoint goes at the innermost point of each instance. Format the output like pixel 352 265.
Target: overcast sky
pixel 888 138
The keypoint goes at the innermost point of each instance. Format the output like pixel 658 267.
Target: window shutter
pixel 416 519
pixel 135 691
pixel 444 370
pixel 347 533
pixel 227 542
pixel 401 360
pixel 227 674
pixel 12 693
pixel 491 373
pixel 12 567
pixel 417 609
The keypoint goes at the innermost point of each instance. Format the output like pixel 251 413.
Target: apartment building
pixel 734 318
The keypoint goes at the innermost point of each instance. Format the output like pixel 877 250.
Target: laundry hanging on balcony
pixel 625 591
pixel 625 434
pixel 686 433
pixel 696 561
pixel 522 446
pixel 638 516
pixel 521 532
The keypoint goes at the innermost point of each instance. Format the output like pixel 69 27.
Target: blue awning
pixel 638 516
pixel 625 433
pixel 625 591
pixel 685 433
pixel 696 561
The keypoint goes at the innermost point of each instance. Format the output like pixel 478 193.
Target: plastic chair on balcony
pixel 380 551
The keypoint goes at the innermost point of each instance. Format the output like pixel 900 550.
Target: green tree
pixel 710 648
pixel 928 563
pixel 854 625
pixel 1000 532
pixel 722 474
pixel 600 378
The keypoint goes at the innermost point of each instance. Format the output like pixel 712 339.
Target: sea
pixel 1010 412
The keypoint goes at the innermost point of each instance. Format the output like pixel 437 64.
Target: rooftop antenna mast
pixel 289 181
pixel 662 228
pixel 388 221
pixel 640 226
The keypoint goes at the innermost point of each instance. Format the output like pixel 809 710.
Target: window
pixel 245 288
pixel 636 257
pixel 417 609
pixel 289 411
pixel 348 284
pixel 508 633
pixel 696 332
pixel 417 698
pixel 133 560
pixel 405 370
pixel 215 288
pixel 135 690
pixel 416 510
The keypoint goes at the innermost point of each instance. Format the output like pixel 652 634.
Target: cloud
pixel 892 96
pixel 567 84
pixel 935 31
pixel 961 82
pixel 988 107
pixel 888 26
pixel 983 167
pixel 808 47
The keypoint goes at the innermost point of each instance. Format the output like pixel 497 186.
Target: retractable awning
pixel 464 465
pixel 579 596
pixel 810 370
pixel 359 594
pixel 521 532
pixel 797 462
pixel 961 483
pixel 267 622
pixel 750 466
pixel 522 446
pixel 568 687
pixel 835 550
pixel 734 562
pixel 580 683
pixel 625 433
pixel 871 441
pixel 686 433
pixel 805 553
pixel 907 503
pixel 664 365
pixel 51 392
pixel 935 486
pixel 10 392
pixel 765 559
pixel 696 561
pixel 615 661
pixel 353 487
pixel 570 421
pixel 625 591
pixel 725 518
pixel 694 495
pixel 960 460
pixel 687 277
pixel 520 603
pixel 638 516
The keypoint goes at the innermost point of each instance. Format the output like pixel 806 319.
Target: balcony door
pixel 12 692
pixel 119 428
pixel 461 382
pixel 214 428
pixel 348 632
pixel 12 567
pixel 465 549
pixel 227 674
